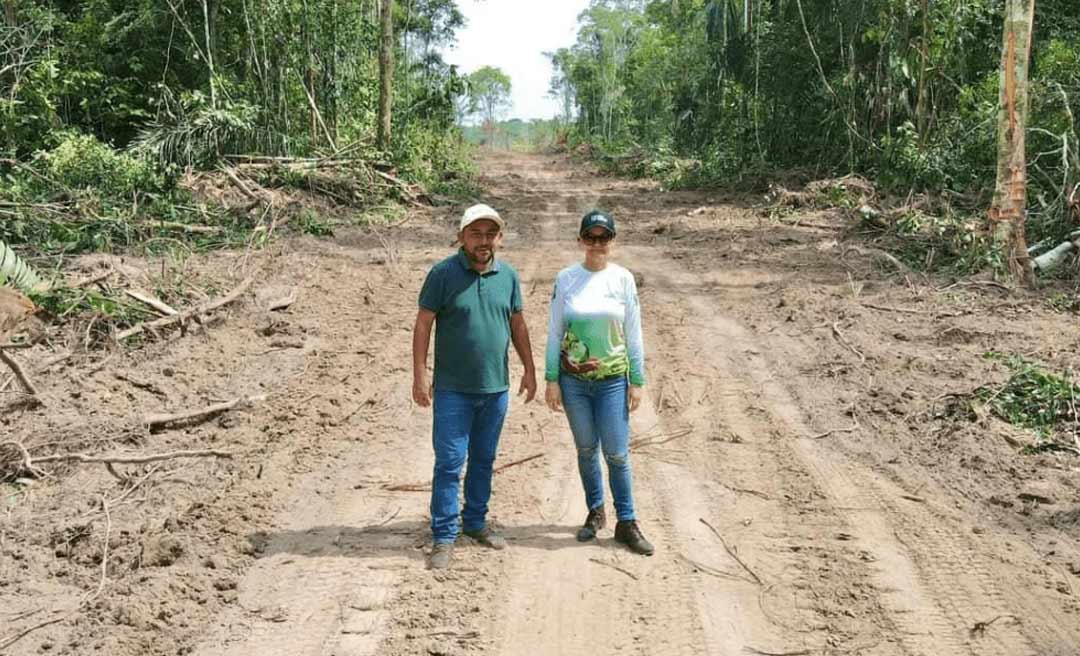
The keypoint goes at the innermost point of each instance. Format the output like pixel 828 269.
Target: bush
pixel 1032 397
pixel 438 159
pixel 81 162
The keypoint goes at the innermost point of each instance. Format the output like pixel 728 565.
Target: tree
pixel 386 72
pixel 489 88
pixel 1010 192
pixel 561 87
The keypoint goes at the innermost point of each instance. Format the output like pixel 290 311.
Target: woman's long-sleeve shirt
pixel 594 327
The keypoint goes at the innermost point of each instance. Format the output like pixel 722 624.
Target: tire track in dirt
pixel 936 588
pixel 731 476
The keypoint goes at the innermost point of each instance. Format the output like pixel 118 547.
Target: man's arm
pixel 519 335
pixel 421 390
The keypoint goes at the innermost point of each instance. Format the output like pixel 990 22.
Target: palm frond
pixel 14 270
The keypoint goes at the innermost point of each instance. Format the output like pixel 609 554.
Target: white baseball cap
pixel 477 212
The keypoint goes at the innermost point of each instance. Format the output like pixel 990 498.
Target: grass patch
pixel 1035 399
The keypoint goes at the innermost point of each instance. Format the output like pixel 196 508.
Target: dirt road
pixel 802 492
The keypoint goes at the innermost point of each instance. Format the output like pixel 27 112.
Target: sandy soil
pixel 798 465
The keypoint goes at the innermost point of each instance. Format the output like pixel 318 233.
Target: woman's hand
pixel 553 396
pixel 636 394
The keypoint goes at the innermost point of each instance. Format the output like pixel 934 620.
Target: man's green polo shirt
pixel 472 323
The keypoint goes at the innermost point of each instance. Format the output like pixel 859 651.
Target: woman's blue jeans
pixel 600 420
pixel 465 425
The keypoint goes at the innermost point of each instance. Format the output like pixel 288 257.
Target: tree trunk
pixel 331 84
pixel 386 73
pixel 10 14
pixel 924 53
pixel 1010 192
pixel 207 28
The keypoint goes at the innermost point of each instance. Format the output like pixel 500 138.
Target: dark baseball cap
pixel 597 219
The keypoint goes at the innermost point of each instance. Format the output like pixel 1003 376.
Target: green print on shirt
pixel 594 349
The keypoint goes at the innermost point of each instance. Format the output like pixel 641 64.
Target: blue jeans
pixel 464 425
pixel 600 418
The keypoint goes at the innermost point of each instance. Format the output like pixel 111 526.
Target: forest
pixel 902 92
pixel 105 104
pixel 109 107
pixel 850 229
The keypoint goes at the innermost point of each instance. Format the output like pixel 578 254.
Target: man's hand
pixel 528 386
pixel 421 391
pixel 553 396
pixel 636 394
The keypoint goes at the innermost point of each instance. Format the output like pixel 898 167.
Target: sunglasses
pixel 597 239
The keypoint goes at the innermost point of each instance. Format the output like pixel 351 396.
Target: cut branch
pixel 154 421
pixel 186 314
pixel 614 567
pixel 19 373
pixel 731 552
pixel 426 487
pixel 854 427
pixel 120 459
pixel 152 302
pixel 186 227
pixel 840 338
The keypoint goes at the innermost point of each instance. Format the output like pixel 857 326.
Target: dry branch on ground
pixel 159 420
pixel 23 379
pixel 184 316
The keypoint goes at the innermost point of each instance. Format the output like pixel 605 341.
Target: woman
pixel 595 369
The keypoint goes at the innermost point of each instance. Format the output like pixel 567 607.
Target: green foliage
pixel 1032 397
pixel 80 162
pixel 440 159
pixel 13 269
pixel 81 195
pixel 139 73
pixel 190 132
pixel 516 134
pixel 489 95
pixel 1064 302
pixel 949 241
pixel 706 92
pixel 311 223
pixel 63 302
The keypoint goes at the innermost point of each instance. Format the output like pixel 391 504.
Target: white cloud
pixel 513 36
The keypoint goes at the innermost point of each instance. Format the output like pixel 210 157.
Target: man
pixel 474 301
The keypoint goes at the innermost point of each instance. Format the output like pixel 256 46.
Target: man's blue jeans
pixel 464 425
pixel 600 418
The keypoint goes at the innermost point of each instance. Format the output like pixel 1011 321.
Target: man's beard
pixel 476 258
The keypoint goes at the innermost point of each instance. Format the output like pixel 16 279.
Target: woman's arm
pixel 556 330
pixel 635 343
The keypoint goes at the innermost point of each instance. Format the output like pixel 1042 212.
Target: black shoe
pixel 596 520
pixel 629 534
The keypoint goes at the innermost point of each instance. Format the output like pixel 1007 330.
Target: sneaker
pixel 488 538
pixel 596 520
pixel 629 534
pixel 440 555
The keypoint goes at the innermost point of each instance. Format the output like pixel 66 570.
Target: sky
pixel 513 35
